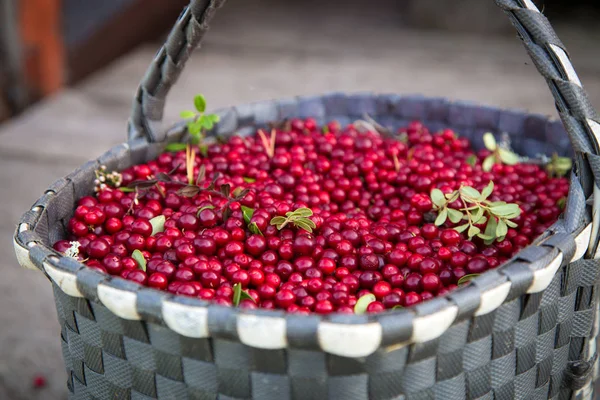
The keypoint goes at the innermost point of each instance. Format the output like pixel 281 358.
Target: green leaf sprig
pixel 240 294
pixel 477 210
pixel 500 155
pixel 558 166
pixel 198 121
pixel 299 218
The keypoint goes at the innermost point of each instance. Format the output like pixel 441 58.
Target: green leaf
pixel 139 259
pixel 562 203
pixel 466 279
pixel 209 207
pixel 473 230
pixel 441 218
pixel 455 215
pixel 501 229
pixel 200 103
pixel 247 212
pixel 194 128
pixel 485 193
pixel 175 147
pixel 461 228
pixel 280 222
pixel 505 210
pixel 451 197
pixel 490 228
pixel 302 212
pixel 477 214
pixel 489 141
pixel 246 296
pixel 398 307
pixel 484 236
pixel 126 189
pixel 187 114
pixel 510 223
pixel 488 163
pixel 158 224
pixel 249 180
pixel 325 129
pixel 470 192
pixel 437 197
pixel 206 123
pixel 482 220
pixel 237 294
pixel 253 228
pixel 305 223
pixel 508 157
pixel 471 160
pixel 362 303
pixel 214 118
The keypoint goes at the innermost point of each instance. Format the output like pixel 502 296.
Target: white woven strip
pixel 595 221
pixel 493 298
pixel 66 281
pixel 566 64
pixel 530 6
pixel 262 332
pixel 186 320
pixel 429 327
pixel 121 302
pixel 542 277
pixel 349 340
pixel 23 255
pixel 594 127
pixel 582 243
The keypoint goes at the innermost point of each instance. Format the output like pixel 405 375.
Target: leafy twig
pixel 477 210
pixel 558 166
pixel 500 154
pixel 299 218
pixel 199 122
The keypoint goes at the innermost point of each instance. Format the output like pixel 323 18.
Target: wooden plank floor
pixel 251 54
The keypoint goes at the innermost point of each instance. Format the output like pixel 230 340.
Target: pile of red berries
pixel 372 213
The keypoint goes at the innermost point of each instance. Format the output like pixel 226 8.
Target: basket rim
pixel 529 271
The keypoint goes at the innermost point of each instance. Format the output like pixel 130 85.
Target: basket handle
pixel 543 46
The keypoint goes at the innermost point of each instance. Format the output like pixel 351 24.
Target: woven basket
pixel 526 330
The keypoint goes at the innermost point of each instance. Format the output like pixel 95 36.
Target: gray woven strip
pixel 166 67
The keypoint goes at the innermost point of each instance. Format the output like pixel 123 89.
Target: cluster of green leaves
pixel 299 218
pixel 559 166
pixel 499 154
pixel 240 294
pixel 198 121
pixel 477 210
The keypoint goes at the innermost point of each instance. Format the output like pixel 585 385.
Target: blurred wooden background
pixel 47 44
